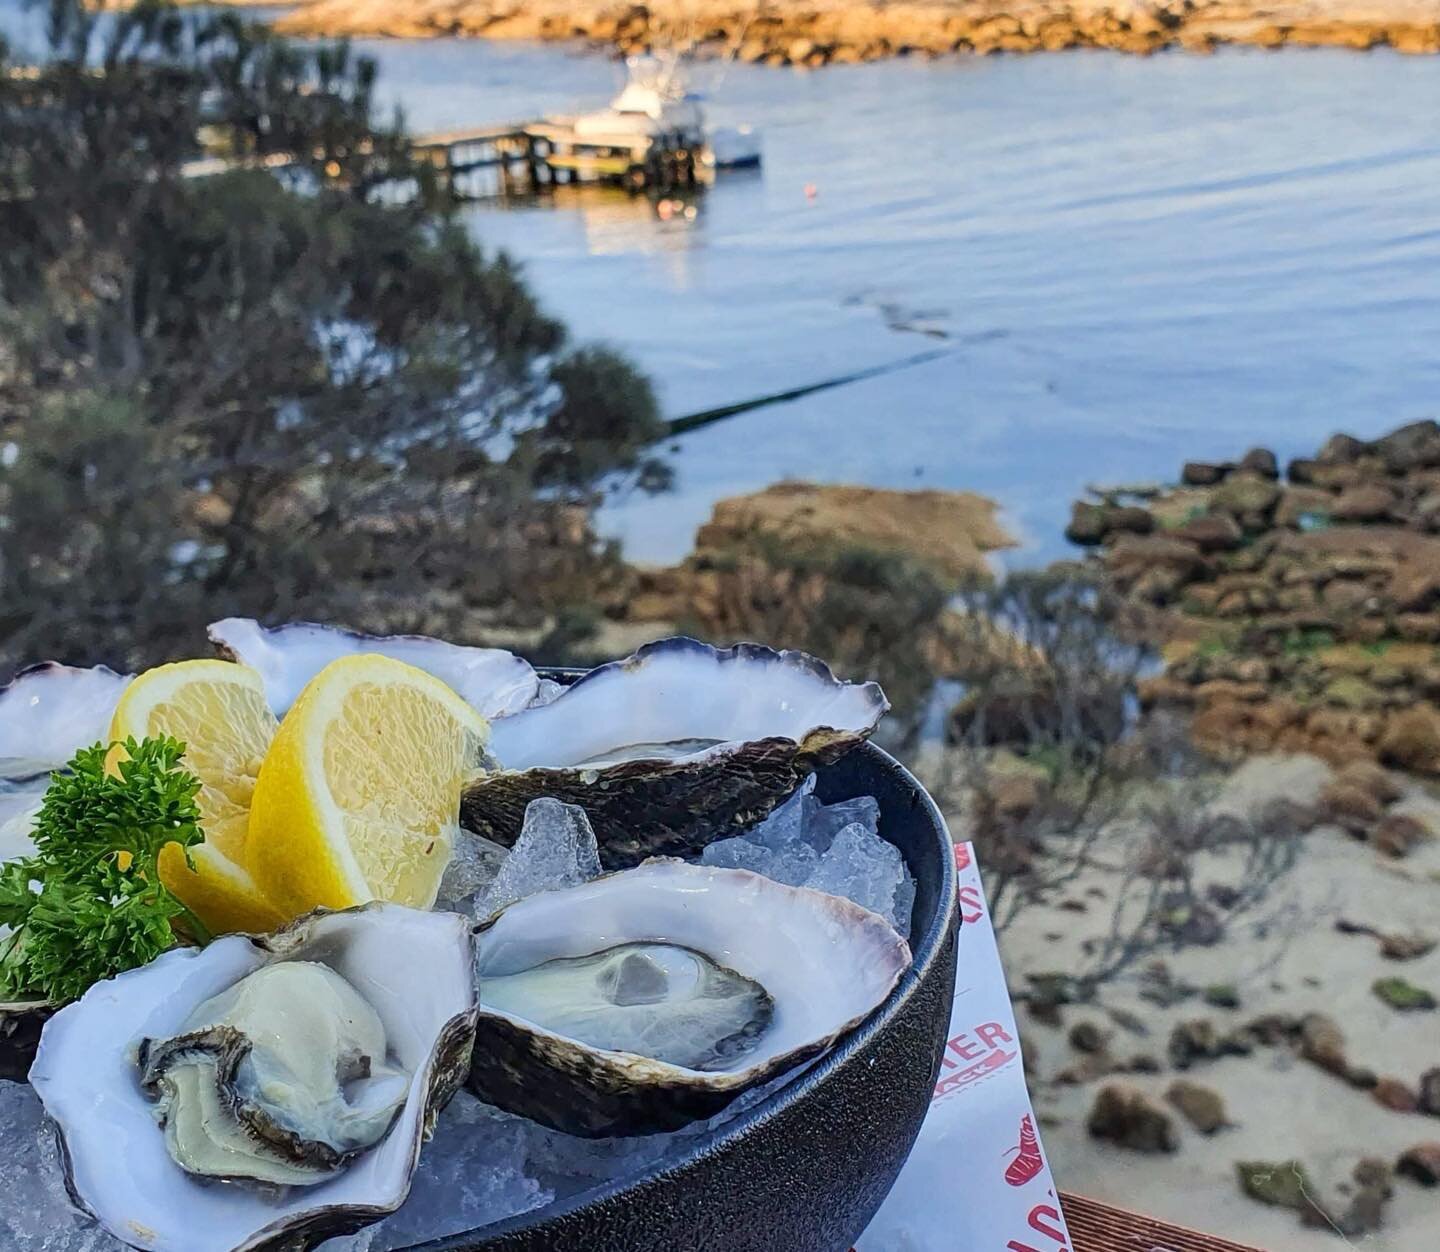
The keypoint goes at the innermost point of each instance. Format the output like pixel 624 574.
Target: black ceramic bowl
pixel 805 1169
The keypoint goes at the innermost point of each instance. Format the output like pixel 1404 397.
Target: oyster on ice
pixel 262 1093
pixel 672 747
pixel 652 997
pixel 494 681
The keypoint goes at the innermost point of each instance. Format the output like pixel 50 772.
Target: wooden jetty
pixel 532 157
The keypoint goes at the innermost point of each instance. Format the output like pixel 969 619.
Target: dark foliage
pixel 284 392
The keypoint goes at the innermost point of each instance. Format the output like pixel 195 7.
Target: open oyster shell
pixel 50 711
pixel 496 682
pixel 822 963
pixel 674 746
pixel 414 968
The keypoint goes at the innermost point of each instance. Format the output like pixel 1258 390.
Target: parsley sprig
pixel 90 903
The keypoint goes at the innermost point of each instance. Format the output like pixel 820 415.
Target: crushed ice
pixel 835 848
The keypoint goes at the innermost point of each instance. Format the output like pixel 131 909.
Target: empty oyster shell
pixel 413 969
pixel 674 746
pixel 49 711
pixel 495 681
pixel 646 999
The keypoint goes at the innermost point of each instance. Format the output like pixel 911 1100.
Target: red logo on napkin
pixel 1029 1163
pixel 973 1055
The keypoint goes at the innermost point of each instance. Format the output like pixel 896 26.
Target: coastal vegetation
pixel 269 389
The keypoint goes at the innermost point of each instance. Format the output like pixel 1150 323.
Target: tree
pixel 279 395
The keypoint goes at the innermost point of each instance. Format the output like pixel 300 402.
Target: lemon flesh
pixel 360 791
pixel 218 710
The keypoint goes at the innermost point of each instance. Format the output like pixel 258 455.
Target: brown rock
pixel 1088 523
pixel 1261 461
pixel 1088 1037
pixel 1411 447
pixel 1402 947
pixel 1217 532
pixel 1367 502
pixel 1133 554
pixel 1202 1107
pixel 1416 588
pixel 1126 1116
pixel 1349 806
pixel 1412 739
pixel 1197 1039
pixel 1204 473
pixel 1323 1044
pixel 1341 449
pixel 948 531
pixel 1347 597
pixel 1422 628
pixel 1421 1163
pixel 1397 833
pixel 1375 780
pixel 1428 1097
pixel 1297 504
pixel 1248 497
pixel 1394 1095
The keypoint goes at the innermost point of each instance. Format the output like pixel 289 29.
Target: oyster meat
pixel 672 747
pixel 262 1093
pixel 494 681
pixel 648 998
pixel 281 1078
pixel 50 711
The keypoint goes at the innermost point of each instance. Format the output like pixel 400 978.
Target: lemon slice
pixel 360 791
pixel 218 710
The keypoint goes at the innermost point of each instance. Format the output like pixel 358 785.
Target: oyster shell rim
pixel 655 806
pixel 448 1061
pixel 227 652
pixel 37 670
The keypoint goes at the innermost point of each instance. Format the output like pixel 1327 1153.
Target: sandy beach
pixel 1289 959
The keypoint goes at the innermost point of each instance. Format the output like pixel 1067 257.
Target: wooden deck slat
pixel 1096 1227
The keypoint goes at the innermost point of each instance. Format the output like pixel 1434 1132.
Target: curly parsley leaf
pixel 90 904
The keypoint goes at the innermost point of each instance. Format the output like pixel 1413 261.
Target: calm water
pixel 1130 262
pixel 1125 262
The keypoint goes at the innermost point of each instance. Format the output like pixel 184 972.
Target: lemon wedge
pixel 218 710
pixel 360 792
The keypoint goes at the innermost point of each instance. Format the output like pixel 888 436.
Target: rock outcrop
pixel 840 31
pixel 1298 613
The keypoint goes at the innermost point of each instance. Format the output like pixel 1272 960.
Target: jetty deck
pixel 529 157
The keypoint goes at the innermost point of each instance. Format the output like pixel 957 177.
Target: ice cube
pixel 738 853
pixel 862 867
pixel 785 826
pixel 472 1173
pixel 546 691
pixel 474 862
pixel 828 820
pixel 556 848
pixel 36 1215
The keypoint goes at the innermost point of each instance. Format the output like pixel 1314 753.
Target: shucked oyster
pixel 673 746
pixel 282 1078
pixel 312 1060
pixel 652 997
pixel 494 681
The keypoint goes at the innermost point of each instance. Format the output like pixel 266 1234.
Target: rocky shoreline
pixel 843 31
